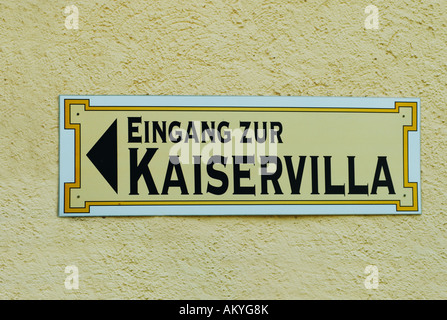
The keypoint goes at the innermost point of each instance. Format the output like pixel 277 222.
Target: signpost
pixel 217 155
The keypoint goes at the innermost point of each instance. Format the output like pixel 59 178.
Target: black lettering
pixel 239 174
pixel 267 176
pixel 314 167
pixel 263 131
pixel 132 129
pixel 219 131
pixel 197 174
pixel 206 129
pixel 216 174
pixel 160 131
pixel 353 188
pixel 246 125
pixel 171 128
pixel 141 169
pixel 382 164
pixel 146 131
pixel 329 188
pixel 174 164
pixel 295 180
pixel 276 133
pixel 191 132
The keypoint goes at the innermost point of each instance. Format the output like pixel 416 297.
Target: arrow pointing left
pixel 104 155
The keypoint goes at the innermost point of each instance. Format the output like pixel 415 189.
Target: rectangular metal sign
pixel 230 155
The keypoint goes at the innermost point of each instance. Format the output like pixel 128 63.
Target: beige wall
pixel 282 47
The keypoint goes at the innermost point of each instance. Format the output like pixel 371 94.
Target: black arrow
pixel 104 156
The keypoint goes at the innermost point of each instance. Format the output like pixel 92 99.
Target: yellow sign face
pixel 228 159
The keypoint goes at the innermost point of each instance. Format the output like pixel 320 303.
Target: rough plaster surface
pixel 281 47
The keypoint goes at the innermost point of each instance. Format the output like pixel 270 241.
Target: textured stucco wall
pixel 203 47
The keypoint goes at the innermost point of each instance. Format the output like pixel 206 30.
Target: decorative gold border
pixel 86 103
